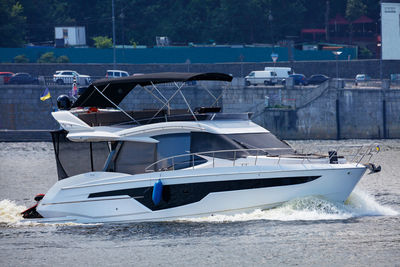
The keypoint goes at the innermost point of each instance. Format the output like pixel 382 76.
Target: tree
pixel 102 42
pixel 12 24
pixel 47 58
pixel 354 9
pixel 21 59
pixel 364 53
pixel 62 59
pixel 183 21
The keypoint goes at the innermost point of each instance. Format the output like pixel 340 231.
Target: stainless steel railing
pixel 194 159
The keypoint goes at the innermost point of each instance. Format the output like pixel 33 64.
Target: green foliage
pixel 12 24
pixel 102 42
pixel 364 53
pixel 355 9
pixel 62 59
pixel 47 58
pixel 183 21
pixel 133 43
pixel 21 59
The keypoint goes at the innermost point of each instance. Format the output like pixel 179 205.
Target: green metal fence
pixel 174 54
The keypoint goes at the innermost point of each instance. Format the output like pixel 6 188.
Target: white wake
pixel 10 216
pixel 10 213
pixel 311 208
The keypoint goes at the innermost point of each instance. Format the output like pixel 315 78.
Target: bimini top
pixel 116 89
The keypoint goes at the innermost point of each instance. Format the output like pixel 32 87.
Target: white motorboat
pixel 156 165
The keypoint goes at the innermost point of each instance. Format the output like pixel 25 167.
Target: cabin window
pixel 203 142
pixel 134 157
pixel 267 141
pixel 172 145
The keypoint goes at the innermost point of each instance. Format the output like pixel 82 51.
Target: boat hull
pixel 100 197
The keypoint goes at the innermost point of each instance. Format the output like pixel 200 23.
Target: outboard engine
pixel 63 102
pixel 32 213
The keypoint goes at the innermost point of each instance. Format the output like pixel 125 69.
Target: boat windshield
pixel 203 142
pixel 270 143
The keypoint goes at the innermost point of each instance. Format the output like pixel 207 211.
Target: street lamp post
pixel 113 29
pixel 337 53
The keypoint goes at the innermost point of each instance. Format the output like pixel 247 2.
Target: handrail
pixel 213 152
pixel 306 156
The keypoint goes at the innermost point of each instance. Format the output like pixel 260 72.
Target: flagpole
pixel 51 99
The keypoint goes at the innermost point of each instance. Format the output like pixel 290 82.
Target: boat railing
pixel 352 153
pixel 191 160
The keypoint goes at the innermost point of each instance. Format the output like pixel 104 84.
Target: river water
pixel 304 232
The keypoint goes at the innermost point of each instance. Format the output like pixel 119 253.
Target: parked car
pixel 6 76
pixel 67 77
pixel 317 79
pixel 299 79
pixel 116 73
pixel 23 78
pixel 265 77
pixel 362 78
pixel 395 78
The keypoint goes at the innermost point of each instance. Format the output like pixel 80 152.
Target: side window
pixel 134 157
pixel 203 142
pixel 117 74
pixel 252 74
pixel 173 145
pixel 124 74
pixel 109 73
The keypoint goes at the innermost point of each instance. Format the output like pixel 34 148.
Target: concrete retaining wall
pixel 324 112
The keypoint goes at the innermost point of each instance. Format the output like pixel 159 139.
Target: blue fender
pixel 157 192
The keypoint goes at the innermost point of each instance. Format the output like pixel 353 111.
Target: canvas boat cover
pixel 117 89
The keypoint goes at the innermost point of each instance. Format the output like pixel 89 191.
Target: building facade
pixel 71 36
pixel 390 23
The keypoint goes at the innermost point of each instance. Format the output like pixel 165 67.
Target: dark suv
pixel 23 78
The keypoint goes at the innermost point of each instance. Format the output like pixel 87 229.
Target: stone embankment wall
pixel 323 112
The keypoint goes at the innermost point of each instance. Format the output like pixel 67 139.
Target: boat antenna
pixel 115 105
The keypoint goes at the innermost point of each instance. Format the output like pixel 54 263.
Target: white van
pixel 282 73
pixel 265 77
pixel 116 73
